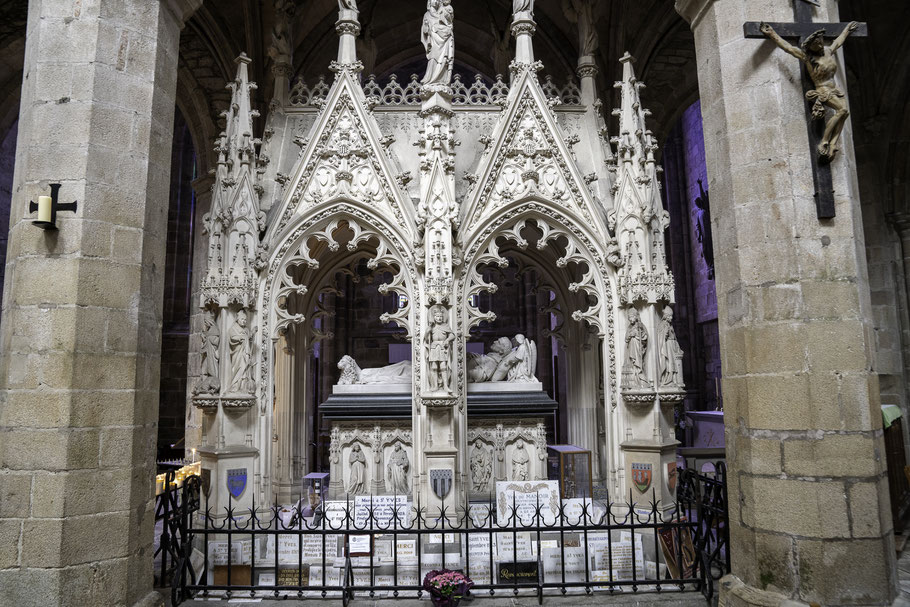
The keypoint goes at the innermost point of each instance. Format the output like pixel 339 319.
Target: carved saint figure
pixel 633 370
pixel 439 341
pixel 280 49
pixel 821 63
pixel 239 342
pixel 439 42
pixel 520 463
pixel 525 354
pixel 669 351
pixel 481 467
pixel 582 13
pixel 350 5
pixel 358 474
pixel 397 470
pixel 211 341
pixel 351 373
pixel 521 6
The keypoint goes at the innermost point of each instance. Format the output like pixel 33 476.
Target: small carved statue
pixel 439 42
pixel 357 476
pixel 669 351
pixel 821 63
pixel 351 373
pixel 520 463
pixel 241 356
pixel 522 6
pixel 397 470
pixel 439 340
pixel 525 354
pixel 350 5
pixel 481 467
pixel 582 13
pixel 633 370
pixel 280 49
pixel 211 342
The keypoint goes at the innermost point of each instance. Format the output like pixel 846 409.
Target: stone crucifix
pixel 819 67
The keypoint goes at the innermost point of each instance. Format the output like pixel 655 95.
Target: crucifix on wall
pixel 819 67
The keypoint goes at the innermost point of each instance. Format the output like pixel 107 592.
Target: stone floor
pixel 693 599
pixel 903 576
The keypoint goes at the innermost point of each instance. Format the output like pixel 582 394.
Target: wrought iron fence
pixel 172 505
pixel 379 545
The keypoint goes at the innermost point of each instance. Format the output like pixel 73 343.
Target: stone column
pixel 80 336
pixel 809 512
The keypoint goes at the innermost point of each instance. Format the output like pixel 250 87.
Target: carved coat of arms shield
pixel 671 476
pixel 641 476
pixel 441 482
pixel 236 481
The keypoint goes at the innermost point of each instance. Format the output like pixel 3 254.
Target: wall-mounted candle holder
pixel 47 207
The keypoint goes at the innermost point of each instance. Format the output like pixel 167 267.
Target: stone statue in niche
pixel 582 13
pixel 241 356
pixel 439 41
pixel 481 467
pixel 633 369
pixel 520 463
pixel 505 362
pixel 439 340
pixel 397 470
pixel 669 351
pixel 821 64
pixel 525 353
pixel 358 475
pixel 211 342
pixel 351 373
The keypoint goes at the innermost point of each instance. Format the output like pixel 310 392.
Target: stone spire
pixel 235 255
pixel 638 218
pixel 523 29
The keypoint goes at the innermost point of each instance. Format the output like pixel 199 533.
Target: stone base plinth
pixel 735 593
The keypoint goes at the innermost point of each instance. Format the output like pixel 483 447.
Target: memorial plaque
pixel 482 515
pixel 382 549
pixel 265 550
pixel 574 509
pixel 312 547
pixel 294 576
pixel 218 553
pixel 332 576
pixel 406 551
pixel 267 578
pixel 505 545
pixel 334 516
pixel 622 560
pixel 480 572
pixel 384 508
pixel 288 549
pixel 478 545
pixel 525 498
pixel 554 560
pixel 523 572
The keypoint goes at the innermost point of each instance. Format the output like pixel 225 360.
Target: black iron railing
pixel 368 548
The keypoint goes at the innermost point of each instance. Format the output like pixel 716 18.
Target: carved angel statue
pixel 397 470
pixel 439 339
pixel 439 42
pixel 633 369
pixel 582 13
pixel 520 463
pixel 669 351
pixel 351 373
pixel 481 467
pixel 241 355
pixel 211 342
pixel 525 354
pixel 821 64
pixel 357 475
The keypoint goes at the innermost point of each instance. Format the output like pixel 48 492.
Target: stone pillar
pixel 80 336
pixel 809 512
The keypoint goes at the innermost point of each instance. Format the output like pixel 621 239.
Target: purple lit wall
pixel 690 247
pixel 7 164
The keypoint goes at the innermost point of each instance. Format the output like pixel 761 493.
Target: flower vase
pixel 441 601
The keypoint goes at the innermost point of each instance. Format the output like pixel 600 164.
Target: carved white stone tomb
pixel 435 279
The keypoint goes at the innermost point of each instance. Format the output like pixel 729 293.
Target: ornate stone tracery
pixel 386 203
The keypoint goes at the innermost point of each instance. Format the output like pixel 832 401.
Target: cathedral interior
pixel 532 288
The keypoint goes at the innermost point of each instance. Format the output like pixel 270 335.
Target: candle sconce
pixel 47 207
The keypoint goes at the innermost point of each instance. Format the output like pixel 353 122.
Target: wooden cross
pixel 804 27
